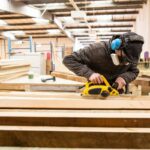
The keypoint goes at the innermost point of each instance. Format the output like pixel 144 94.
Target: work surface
pixel 62 100
pixel 35 84
pixel 68 120
pixel 37 79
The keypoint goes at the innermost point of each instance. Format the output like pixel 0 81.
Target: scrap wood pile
pixel 10 69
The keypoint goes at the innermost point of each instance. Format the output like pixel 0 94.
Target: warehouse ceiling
pixel 69 18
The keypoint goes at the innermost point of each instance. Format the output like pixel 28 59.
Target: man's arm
pixel 79 61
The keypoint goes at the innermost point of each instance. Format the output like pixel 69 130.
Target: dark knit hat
pixel 132 46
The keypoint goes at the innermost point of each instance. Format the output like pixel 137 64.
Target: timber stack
pixel 67 120
pixel 11 69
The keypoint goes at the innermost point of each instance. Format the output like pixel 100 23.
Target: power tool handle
pixel 115 86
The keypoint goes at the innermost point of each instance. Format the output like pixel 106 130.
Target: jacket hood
pixel 132 46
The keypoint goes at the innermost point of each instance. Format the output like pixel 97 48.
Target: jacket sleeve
pixel 131 74
pixel 78 62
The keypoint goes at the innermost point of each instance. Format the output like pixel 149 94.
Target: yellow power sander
pixel 104 89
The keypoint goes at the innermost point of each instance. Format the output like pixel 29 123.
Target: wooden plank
pixel 74 137
pixel 142 81
pixel 41 94
pixel 4 62
pixel 145 90
pixel 68 76
pixel 13 76
pixel 63 95
pixel 83 103
pixel 72 97
pixel 57 87
pixel 14 87
pixel 40 86
pixel 76 114
pixel 13 71
pixel 34 148
pixel 14 66
pixel 75 118
pixel 145 83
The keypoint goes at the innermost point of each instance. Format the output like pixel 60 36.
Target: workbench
pixel 62 118
pixel 35 84
pixel 68 120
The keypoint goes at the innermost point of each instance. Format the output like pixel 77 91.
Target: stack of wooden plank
pixel 67 120
pixel 10 69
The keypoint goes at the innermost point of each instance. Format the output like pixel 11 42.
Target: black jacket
pixel 96 58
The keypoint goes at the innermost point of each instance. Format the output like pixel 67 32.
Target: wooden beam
pixel 127 103
pixel 41 94
pixel 63 14
pixel 12 71
pixel 29 148
pixel 13 87
pixel 61 27
pixel 75 137
pixel 127 2
pixel 40 87
pixel 13 66
pixel 143 81
pixel 21 8
pixel 37 33
pixel 28 27
pixel 38 37
pixel 15 16
pixel 112 7
pixel 56 88
pixel 42 36
pixel 75 118
pixel 67 76
pixel 123 19
pixel 21 23
pixel 41 2
pixel 99 26
pixel 94 8
pixel 145 76
pixel 120 30
pixel 80 1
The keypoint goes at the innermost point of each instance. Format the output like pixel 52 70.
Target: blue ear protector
pixel 115 44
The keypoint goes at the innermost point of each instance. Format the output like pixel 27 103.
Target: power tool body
pixel 104 89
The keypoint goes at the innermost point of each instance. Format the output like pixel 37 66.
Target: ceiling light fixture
pixel 2 23
pixel 41 21
pixel 54 32
pixel 19 32
pixel 7 34
pixel 100 3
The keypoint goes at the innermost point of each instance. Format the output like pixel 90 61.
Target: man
pixel 116 60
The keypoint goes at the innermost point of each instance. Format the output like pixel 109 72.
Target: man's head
pixel 127 46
